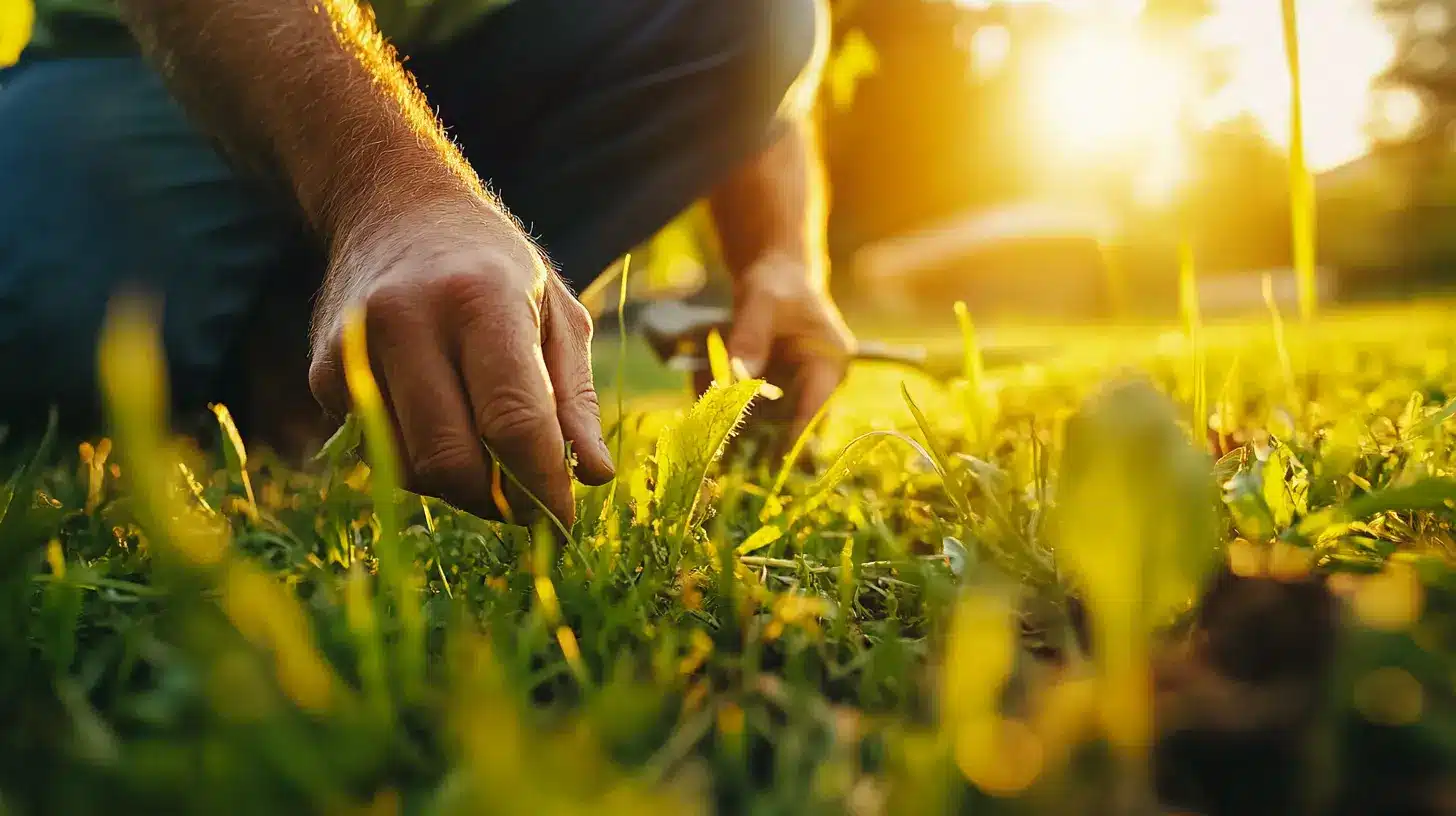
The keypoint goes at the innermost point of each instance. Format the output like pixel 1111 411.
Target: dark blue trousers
pixel 596 121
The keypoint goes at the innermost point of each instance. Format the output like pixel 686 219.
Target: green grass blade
pixel 362 620
pixel 762 537
pixel 18 543
pixel 1230 400
pixel 845 463
pixel 15 510
pixel 773 506
pixel 343 442
pixel 197 553
pixel 1425 494
pixel 540 505
pixel 236 455
pixel 942 464
pixel 1428 425
pixel 1193 326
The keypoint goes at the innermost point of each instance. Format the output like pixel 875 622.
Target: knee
pixel 789 40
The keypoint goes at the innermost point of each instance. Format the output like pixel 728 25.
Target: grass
pixel 1047 598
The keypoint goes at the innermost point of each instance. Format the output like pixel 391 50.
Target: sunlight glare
pixel 990 47
pixel 1102 88
pixel 1344 46
pixel 1105 85
pixel 1397 112
pixel 1164 174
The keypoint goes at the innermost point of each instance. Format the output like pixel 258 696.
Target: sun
pixel 1103 90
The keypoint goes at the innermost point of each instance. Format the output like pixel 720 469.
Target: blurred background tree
pixel 973 106
pixel 1414 151
pixel 935 111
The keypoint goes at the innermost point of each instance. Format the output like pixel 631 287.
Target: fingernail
pixel 748 369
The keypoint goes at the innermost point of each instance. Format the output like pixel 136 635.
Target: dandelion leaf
pixel 1136 516
pixel 687 448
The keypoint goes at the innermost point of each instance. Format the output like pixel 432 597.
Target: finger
pixel 442 455
pixel 817 382
pixel 396 434
pixel 751 337
pixel 702 380
pixel 326 381
pixel 567 351
pixel 510 392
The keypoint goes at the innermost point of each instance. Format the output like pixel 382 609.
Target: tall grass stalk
pixel 1110 249
pixel 1193 326
pixel 398 579
pixel 973 370
pixel 1281 342
pixel 774 505
pixel 621 383
pixel 201 563
pixel 1301 185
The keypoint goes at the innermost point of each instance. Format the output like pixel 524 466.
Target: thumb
pixel 750 340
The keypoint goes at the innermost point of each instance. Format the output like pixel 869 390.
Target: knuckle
pixel 323 381
pixel 579 318
pixel 387 302
pixel 443 465
pixel 486 304
pixel 585 397
pixel 488 273
pixel 510 414
pixel 464 287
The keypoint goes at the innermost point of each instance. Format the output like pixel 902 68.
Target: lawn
pixel 1026 590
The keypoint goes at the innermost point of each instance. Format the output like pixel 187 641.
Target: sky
pixel 1344 46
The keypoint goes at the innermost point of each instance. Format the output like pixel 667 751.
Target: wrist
pixel 783 264
pixel 423 235
pixel 363 203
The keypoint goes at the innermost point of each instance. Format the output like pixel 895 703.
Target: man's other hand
pixel 787 330
pixel 471 337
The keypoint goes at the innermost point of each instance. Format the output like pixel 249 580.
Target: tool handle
pixel 875 351
pixel 915 357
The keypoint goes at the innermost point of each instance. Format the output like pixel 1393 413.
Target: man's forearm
pixel 775 203
pixel 307 91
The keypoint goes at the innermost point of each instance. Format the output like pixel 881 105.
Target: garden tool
pixel 678 334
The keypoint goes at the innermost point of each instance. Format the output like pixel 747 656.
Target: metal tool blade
pixel 678 333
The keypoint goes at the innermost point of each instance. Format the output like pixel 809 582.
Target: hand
pixel 470 336
pixel 787 329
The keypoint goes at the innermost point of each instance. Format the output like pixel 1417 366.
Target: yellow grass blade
pixel 1301 185
pixel 973 369
pixel 1193 325
pixel 718 361
pixel 134 384
pixel 1281 341
pixel 621 382
pixel 236 454
pixel 397 572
